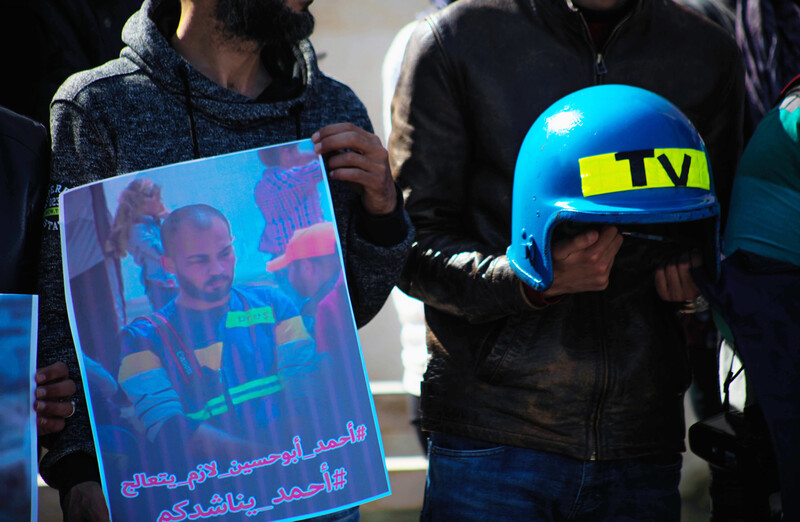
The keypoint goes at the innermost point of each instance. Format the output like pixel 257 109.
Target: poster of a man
pixel 224 400
pixel 213 347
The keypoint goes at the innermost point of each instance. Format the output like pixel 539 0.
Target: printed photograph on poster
pixel 18 471
pixel 218 351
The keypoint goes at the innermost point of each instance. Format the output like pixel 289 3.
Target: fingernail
pixel 315 136
pixel 40 392
pixel 40 405
pixel 317 147
pixel 40 378
pixel 42 421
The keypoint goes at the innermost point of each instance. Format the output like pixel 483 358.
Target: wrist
pixel 383 230
pixel 384 206
pixel 536 299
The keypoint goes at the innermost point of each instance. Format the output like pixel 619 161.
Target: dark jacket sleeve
pixel 24 156
pixel 429 149
pixel 723 133
pixel 375 249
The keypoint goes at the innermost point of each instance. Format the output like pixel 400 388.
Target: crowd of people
pixel 567 185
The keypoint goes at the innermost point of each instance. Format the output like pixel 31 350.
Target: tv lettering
pixel 639 173
pixel 643 169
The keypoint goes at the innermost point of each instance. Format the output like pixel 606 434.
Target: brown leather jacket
pixel 598 375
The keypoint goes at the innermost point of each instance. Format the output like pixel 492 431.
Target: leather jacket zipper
pixel 595 443
pixel 600 69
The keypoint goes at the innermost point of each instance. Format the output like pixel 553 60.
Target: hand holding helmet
pixel 604 162
pixel 674 281
pixel 583 263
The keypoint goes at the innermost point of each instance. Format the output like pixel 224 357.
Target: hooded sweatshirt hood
pixel 149 49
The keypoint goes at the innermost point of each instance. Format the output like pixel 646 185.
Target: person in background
pixel 24 171
pixel 288 187
pixel 137 230
pixel 757 298
pixel 410 311
pixel 768 35
pixel 51 40
pixel 313 268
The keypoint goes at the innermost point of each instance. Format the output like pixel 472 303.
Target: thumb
pixel 582 241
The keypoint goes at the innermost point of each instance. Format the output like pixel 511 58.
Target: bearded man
pixel 267 359
pixel 201 78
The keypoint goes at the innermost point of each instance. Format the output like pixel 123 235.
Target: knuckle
pixel 351 157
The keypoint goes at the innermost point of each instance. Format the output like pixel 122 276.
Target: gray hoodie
pixel 151 108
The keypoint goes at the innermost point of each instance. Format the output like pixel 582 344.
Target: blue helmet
pixel 609 154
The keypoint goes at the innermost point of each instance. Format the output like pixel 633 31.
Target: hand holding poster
pixel 234 385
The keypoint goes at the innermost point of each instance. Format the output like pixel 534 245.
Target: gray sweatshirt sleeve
pixel 80 155
pixel 372 269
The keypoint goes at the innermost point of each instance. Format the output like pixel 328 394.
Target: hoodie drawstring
pixel 187 91
pixel 295 111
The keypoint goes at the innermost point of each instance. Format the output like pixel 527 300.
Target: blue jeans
pixel 474 480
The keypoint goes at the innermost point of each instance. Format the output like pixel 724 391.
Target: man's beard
pixel 270 23
pixel 209 296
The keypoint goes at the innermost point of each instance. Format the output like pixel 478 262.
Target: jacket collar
pixel 564 17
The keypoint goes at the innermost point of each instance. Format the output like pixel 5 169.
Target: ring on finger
pixel 73 410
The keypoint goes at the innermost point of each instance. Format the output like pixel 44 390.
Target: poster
pixel 18 320
pixel 219 355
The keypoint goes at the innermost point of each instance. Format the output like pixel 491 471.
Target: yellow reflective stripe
pixel 263 315
pixel 290 330
pixel 239 394
pixel 253 384
pixel 52 211
pixel 257 394
pixel 210 356
pixel 215 406
pixel 250 390
pixel 216 401
pixel 137 363
pixel 207 413
pixel 654 168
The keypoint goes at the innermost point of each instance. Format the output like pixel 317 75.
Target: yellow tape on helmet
pixel 640 169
